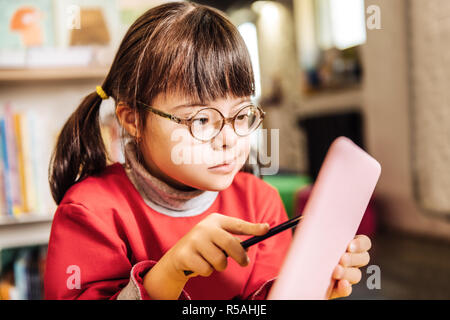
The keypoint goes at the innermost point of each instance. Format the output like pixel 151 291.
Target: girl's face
pixel 173 155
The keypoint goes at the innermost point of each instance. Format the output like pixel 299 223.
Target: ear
pixel 128 118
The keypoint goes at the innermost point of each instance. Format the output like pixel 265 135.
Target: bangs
pixel 199 56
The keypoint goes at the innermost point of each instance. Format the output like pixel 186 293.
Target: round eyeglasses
pixel 207 123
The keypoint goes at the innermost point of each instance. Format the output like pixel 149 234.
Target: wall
pixel 388 105
pixel 430 80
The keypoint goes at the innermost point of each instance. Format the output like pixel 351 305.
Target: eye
pixel 242 116
pixel 201 121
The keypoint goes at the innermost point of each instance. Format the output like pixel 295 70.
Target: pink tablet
pixel 332 215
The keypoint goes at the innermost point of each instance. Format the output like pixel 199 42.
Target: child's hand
pixel 347 271
pixel 202 250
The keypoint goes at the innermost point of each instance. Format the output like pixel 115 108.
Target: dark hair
pixel 178 47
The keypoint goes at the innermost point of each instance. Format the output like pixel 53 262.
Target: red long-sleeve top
pixel 104 238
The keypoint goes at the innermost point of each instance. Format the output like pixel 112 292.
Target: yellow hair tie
pixel 101 93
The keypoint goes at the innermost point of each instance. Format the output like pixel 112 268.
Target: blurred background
pixel 376 71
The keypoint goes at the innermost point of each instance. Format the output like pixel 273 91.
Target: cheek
pixel 157 141
pixel 173 146
pixel 244 148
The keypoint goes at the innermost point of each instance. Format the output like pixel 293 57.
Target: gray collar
pixel 161 197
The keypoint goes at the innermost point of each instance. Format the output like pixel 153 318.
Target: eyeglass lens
pixel 207 123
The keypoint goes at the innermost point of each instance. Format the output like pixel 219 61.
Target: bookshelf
pixel 31 229
pixel 46 90
pixel 51 74
pixel 24 231
pixel 50 94
pixel 42 81
pixel 43 89
pixel 24 219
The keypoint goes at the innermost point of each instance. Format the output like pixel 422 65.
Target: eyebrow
pixel 202 104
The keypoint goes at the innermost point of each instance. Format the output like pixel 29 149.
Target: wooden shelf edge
pixel 25 234
pixel 332 101
pixel 25 218
pixel 64 73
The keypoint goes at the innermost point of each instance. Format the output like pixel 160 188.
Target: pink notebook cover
pixel 338 200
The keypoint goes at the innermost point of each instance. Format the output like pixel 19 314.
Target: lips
pixel 223 163
pixel 225 168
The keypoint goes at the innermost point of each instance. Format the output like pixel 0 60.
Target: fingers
pixel 232 246
pixel 209 243
pixel 342 289
pixel 199 266
pixel 238 226
pixel 352 275
pixel 355 259
pixel 360 243
pixel 214 256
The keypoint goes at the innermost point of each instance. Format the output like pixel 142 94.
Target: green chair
pixel 288 185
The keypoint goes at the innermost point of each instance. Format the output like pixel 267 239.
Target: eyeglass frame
pixel 188 122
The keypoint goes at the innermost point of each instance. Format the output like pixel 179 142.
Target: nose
pixel 226 139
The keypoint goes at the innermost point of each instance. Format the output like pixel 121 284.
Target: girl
pixel 182 82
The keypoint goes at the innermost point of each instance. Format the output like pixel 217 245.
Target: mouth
pixel 224 167
pixel 225 163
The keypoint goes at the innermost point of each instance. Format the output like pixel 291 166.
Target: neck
pixel 161 196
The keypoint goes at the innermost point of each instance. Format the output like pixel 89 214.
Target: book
pixel 26 23
pixel 17 118
pixel 13 164
pixel 26 143
pixel 2 188
pixel 25 147
pixel 22 273
pixel 87 22
pixel 6 173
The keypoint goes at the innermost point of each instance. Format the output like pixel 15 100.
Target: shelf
pixel 331 101
pixel 26 230
pixel 41 74
pixel 24 218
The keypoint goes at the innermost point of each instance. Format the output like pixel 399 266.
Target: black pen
pixel 273 231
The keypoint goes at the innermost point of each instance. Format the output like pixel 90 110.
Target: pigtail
pixel 80 150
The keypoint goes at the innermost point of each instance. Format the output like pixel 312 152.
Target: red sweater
pixel 105 236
